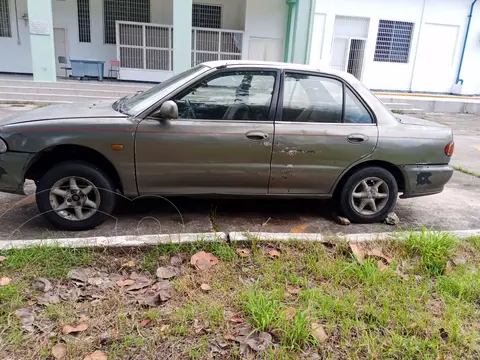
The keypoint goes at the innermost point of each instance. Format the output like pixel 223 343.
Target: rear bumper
pixel 12 170
pixel 422 180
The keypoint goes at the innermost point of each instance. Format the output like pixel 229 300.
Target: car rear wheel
pixel 369 195
pixel 75 196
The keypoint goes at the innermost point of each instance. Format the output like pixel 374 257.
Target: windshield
pixel 143 100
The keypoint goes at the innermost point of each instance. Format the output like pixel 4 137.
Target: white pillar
pixel 41 40
pixel 182 35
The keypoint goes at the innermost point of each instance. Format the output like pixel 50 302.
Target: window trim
pixel 279 114
pixel 8 19
pixel 209 75
pixel 209 4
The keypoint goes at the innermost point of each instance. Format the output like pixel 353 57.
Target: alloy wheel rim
pixel 370 196
pixel 74 198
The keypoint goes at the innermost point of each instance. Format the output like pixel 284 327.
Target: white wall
pixel 265 19
pixel 15 51
pixel 449 17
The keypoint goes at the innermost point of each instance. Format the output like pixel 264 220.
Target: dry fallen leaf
pixel 167 272
pixel 177 260
pixel 360 253
pixel 4 281
pixel 203 261
pixel 59 351
pixel 42 284
pixel 78 276
pixel 244 252
pixel 128 282
pixel 97 355
pixel 3 258
pixel 68 329
pixel 319 333
pixel 130 263
pixel 290 313
pixel 26 316
pixel 237 320
pixel 145 322
pixel 229 337
pixel 259 341
pixel 205 287
pixel 164 327
pixel 293 289
pixel 83 317
pixel 272 252
pixel 48 298
pixel 381 265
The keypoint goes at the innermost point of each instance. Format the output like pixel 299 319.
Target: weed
pixel 461 284
pixel 434 249
pixel 466 171
pixel 297 333
pixel 474 242
pixel 264 308
pixel 213 218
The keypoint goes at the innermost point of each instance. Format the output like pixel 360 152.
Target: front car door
pixel 220 144
pixel 321 128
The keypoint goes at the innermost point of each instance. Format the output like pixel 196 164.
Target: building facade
pixel 398 45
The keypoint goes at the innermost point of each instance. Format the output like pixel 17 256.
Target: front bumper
pixel 422 180
pixel 12 172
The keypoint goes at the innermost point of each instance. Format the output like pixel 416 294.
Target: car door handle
pixel 256 135
pixel 357 138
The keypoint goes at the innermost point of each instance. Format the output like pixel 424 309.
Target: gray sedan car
pixel 226 128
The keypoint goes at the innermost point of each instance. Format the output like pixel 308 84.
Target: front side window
pixel 232 95
pixel 318 99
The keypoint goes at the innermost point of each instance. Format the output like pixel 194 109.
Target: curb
pixel 149 240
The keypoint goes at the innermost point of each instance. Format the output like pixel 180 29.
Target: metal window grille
pixel 123 10
pixel 207 16
pixel 83 8
pixel 5 27
pixel 393 41
pixel 212 44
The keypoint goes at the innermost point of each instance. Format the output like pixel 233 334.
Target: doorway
pixel 60 39
pixel 349 42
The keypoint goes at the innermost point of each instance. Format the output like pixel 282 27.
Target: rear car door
pixel 322 127
pixel 220 144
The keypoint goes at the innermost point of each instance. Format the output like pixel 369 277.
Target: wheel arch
pixel 392 168
pixel 49 157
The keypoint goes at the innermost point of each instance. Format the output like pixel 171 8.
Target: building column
pixel 182 35
pixel 41 40
pixel 299 30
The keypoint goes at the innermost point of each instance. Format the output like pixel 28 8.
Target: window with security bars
pixel 124 10
pixel 393 41
pixel 207 16
pixel 5 26
pixel 83 9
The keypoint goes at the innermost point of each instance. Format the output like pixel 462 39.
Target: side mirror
pixel 168 110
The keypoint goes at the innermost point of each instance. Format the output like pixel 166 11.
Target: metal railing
pixel 150 46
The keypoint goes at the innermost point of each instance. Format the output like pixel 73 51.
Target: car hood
pixel 96 109
pixel 410 120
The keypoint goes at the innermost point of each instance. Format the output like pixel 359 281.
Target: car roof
pixel 279 65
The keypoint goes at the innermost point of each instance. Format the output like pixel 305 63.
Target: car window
pixel 232 95
pixel 355 112
pixel 308 98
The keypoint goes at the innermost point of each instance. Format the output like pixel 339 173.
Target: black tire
pixel 347 205
pixel 95 176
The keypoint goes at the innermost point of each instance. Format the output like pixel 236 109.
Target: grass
pixel 434 249
pixel 431 312
pixel 466 171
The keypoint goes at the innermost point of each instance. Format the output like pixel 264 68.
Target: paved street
pixel 457 208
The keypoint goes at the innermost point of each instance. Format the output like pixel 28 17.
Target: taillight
pixel 449 149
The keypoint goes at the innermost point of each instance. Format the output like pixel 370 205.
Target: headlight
pixel 3 146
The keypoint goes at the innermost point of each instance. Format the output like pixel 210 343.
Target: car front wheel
pixel 75 196
pixel 369 195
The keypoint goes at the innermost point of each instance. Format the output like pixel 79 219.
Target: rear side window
pixel 319 99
